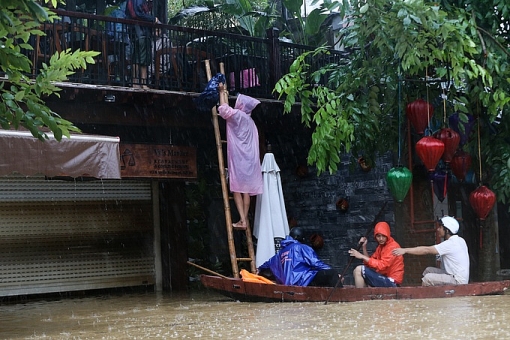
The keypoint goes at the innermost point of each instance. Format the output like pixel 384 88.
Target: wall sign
pixel 157 161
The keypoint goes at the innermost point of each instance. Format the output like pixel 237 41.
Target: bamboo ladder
pixel 226 198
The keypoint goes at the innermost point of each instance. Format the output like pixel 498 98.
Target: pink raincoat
pixel 243 156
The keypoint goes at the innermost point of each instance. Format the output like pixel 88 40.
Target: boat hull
pixel 256 292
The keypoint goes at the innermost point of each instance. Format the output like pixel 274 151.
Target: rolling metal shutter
pixel 60 235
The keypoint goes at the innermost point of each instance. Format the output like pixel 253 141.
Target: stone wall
pixel 311 203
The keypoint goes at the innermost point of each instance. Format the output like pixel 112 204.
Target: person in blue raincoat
pixel 297 264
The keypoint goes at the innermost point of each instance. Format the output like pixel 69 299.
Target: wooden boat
pixel 258 292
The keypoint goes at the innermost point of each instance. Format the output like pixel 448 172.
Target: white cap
pixel 451 224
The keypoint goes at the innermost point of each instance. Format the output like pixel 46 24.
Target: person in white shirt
pixel 453 254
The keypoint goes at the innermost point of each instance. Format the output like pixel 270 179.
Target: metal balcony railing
pixel 252 65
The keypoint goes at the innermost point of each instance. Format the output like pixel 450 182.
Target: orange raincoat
pixel 382 260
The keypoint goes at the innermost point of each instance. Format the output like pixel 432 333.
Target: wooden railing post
pixel 275 67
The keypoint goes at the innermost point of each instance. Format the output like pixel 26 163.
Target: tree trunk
pixel 489 262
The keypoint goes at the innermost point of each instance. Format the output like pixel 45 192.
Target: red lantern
pixel 482 200
pixel 460 164
pixel 430 150
pixel 451 140
pixel 419 114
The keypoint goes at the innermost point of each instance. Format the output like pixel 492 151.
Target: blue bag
pixel 209 97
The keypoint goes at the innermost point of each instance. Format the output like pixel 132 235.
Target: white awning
pixel 80 155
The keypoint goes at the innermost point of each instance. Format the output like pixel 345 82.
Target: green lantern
pixel 399 180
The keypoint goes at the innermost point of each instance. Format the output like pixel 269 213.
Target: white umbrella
pixel 270 214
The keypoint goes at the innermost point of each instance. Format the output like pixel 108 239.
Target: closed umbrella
pixel 270 214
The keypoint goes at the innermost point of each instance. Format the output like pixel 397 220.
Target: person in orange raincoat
pixel 382 269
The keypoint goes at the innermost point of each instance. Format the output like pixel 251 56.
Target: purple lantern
pixel 455 123
pixel 440 184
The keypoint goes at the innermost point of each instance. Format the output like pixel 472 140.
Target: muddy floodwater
pixel 208 316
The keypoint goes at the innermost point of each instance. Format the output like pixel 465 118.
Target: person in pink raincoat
pixel 245 174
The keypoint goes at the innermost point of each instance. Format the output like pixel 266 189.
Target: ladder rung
pixel 244 259
pixel 224 141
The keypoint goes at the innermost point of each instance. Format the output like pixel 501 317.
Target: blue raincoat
pixel 295 264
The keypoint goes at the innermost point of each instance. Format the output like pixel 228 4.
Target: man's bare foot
pixel 239 226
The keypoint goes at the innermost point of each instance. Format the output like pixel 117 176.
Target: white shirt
pixel 455 258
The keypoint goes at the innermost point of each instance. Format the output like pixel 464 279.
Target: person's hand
pixel 363 241
pixel 223 90
pixel 355 253
pixel 398 251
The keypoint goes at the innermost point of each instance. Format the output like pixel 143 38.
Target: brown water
pixel 207 316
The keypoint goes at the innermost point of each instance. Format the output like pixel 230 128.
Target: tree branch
pixel 479 29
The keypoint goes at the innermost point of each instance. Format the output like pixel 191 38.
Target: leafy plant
pixel 413 46
pixel 253 19
pixel 21 103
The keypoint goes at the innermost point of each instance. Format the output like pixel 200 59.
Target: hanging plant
pixel 430 150
pixel 399 181
pixel 419 114
pixel 342 204
pixel 302 171
pixel 482 200
pixel 363 163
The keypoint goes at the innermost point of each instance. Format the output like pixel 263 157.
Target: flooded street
pixel 203 315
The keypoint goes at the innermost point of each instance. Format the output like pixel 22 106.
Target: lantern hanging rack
pixel 427 81
pixel 399 178
pixel 482 199
pixel 398 120
pixel 413 221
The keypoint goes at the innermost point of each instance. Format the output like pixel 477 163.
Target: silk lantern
pixel 399 180
pixel 430 150
pixel 460 164
pixel 419 114
pixel 451 140
pixel 482 200
pixel 440 183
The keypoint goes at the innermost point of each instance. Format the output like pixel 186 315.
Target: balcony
pixel 251 65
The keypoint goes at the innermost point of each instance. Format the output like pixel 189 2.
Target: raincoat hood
pixel 288 240
pixel 246 103
pixel 382 228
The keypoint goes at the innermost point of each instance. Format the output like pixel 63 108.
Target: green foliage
pixel 237 16
pixel 310 28
pixel 254 18
pixel 354 106
pixel 21 103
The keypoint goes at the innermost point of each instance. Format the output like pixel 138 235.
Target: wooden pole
pixel 224 188
pixel 249 240
pixel 207 270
